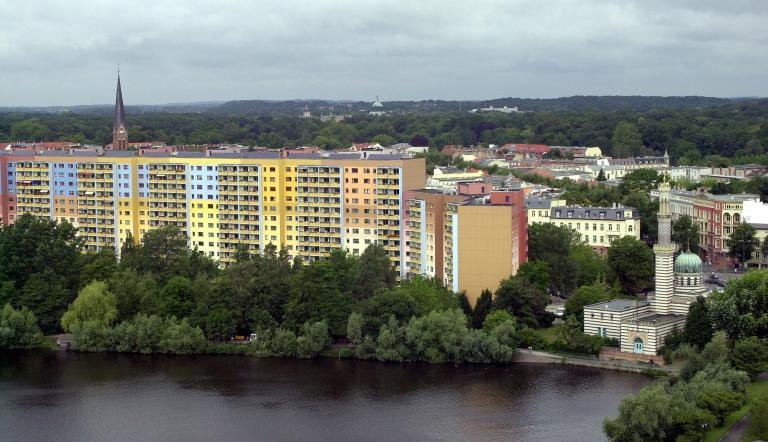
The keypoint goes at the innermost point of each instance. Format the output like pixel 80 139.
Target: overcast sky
pixel 56 52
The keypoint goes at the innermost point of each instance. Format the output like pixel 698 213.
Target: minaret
pixel 119 128
pixel 664 251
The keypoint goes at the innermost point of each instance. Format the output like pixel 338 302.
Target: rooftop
pixel 567 212
pixel 656 319
pixel 617 305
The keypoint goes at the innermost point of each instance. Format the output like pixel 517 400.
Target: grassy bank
pixel 755 390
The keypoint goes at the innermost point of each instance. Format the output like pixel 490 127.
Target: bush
pixel 528 337
pixel 346 353
pixel 18 328
pixel 314 340
pixel 284 344
pixel 750 355
pixel 495 318
pixel 144 334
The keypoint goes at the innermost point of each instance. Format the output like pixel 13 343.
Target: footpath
pixel 524 355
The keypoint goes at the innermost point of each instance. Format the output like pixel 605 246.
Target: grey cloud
pixel 55 52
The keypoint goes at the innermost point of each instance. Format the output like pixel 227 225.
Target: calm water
pixel 72 397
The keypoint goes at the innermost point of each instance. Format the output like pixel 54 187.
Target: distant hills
pixel 295 107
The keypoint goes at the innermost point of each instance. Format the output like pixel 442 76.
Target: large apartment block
pixel 597 226
pixel 307 203
pixel 471 243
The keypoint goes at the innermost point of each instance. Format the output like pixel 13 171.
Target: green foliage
pixel 40 264
pixel 686 234
pixel 143 334
pixel 599 291
pixel 374 271
pixel 570 338
pixel 321 291
pixel 743 242
pixel 483 306
pixel 750 355
pixel 524 301
pixel 386 303
pixel 18 328
pixel 640 181
pixel 627 141
pixel 528 337
pixel 537 272
pixel 428 294
pixel 355 328
pixel 682 411
pixel 94 304
pixel 284 344
pixel 698 325
pixel 313 341
pixel 741 310
pixel 552 244
pixel 633 264
pixel 496 318
pixel 758 425
pixel 590 266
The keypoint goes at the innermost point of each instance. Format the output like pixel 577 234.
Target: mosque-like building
pixel 641 326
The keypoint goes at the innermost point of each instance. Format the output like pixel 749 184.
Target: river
pixel 68 396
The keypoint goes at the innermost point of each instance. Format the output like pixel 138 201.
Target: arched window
pixel 638 345
pixel 736 218
pixel 727 217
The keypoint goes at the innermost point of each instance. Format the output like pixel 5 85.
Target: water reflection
pixel 117 397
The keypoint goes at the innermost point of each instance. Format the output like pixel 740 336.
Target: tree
pixel 537 272
pixel 384 304
pixel 648 213
pixel 627 141
pixel 94 303
pixel 552 244
pixel 599 291
pixel 321 291
pixel 374 271
pixel 496 318
pixel 18 328
pixel 741 309
pixel 633 264
pixel 750 355
pixel 686 234
pixel 590 266
pixel 483 306
pixel 639 180
pixel 40 267
pixel 428 294
pixel 176 298
pixel 355 328
pixel 743 242
pixel 523 300
pixel 601 175
pixel 698 326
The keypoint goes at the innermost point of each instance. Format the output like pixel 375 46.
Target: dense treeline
pixel 737 130
pixel 162 297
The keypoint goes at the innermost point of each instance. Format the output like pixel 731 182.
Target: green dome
pixel 688 262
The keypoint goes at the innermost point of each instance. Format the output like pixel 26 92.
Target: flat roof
pixel 657 319
pixel 617 305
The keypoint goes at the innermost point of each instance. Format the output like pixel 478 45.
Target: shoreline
pixel 522 356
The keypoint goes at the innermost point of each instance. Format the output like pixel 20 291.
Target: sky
pixel 54 52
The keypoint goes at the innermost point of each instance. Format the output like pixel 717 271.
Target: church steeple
pixel 119 128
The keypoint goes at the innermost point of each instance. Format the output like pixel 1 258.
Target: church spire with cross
pixel 119 128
